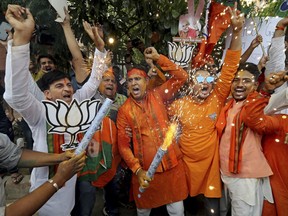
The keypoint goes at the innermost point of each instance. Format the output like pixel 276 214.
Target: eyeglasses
pixel 201 79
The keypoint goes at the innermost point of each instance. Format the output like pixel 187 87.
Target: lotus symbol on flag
pixel 70 119
pixel 180 54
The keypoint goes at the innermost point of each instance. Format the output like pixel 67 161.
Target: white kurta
pixel 276 63
pixel 19 97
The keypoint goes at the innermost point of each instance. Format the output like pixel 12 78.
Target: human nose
pixel 133 82
pixel 67 88
pixel 240 83
pixel 110 82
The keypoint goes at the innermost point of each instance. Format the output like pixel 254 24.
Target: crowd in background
pixel 232 135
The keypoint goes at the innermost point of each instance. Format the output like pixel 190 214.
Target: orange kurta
pixel 275 150
pixel 149 121
pixel 276 153
pixel 198 141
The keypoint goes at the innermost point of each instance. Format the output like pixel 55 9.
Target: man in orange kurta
pixel 197 114
pixel 274 142
pixel 275 150
pixel 145 113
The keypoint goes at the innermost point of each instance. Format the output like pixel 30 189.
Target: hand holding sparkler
pixel 256 41
pixel 145 177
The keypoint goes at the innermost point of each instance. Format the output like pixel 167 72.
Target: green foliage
pixel 154 22
pixel 263 8
pixel 122 19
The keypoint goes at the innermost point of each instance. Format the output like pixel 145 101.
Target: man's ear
pixel 47 94
pixel 256 84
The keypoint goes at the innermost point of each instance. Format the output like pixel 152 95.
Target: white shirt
pixel 18 86
pixel 279 100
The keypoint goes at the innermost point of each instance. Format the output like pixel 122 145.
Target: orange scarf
pixel 238 135
pixel 238 132
pixel 159 121
pixel 54 142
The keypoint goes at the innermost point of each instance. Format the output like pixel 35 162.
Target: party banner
pixel 265 27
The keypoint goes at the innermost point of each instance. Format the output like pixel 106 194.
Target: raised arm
pixel 237 21
pixel 232 58
pixel 77 58
pixel 178 75
pixel 18 77
pixel 96 35
pixel 254 43
pixel 23 23
pixel 276 51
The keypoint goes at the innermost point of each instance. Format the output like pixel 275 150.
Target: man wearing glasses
pixel 197 114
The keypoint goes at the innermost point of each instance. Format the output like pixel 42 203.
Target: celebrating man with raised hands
pixel 56 85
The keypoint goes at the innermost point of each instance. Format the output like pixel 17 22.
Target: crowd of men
pixel 231 141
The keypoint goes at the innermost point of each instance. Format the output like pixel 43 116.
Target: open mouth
pixel 48 69
pixel 135 90
pixel 239 91
pixel 67 96
pixel 109 88
pixel 205 90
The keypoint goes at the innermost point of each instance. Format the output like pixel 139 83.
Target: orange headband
pixel 137 72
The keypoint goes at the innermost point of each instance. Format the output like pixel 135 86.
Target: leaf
pixel 174 28
pixel 175 14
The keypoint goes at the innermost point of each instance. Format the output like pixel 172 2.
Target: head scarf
pixel 109 73
pixel 137 72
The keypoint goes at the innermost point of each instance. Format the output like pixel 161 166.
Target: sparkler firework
pixel 94 126
pixel 160 153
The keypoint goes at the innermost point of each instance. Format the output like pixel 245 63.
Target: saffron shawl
pixel 238 134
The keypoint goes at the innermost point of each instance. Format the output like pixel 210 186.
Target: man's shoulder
pixel 126 106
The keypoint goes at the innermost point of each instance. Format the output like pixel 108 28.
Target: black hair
pixel 251 68
pixel 143 66
pixel 46 56
pixel 48 78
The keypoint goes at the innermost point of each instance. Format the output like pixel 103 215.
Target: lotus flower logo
pixel 71 119
pixel 182 54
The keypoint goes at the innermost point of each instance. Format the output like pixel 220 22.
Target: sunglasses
pixel 208 79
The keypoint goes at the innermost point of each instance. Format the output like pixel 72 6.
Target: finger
pixel 29 14
pixel 231 12
pixel 145 185
pixel 80 166
pixel 235 6
pixel 147 179
pixel 65 10
pixel 70 153
pixel 16 10
pixel 78 157
pixel 95 31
